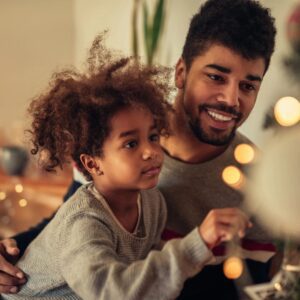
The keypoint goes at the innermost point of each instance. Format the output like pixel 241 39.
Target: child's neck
pixel 124 205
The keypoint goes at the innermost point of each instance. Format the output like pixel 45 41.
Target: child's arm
pixel 93 270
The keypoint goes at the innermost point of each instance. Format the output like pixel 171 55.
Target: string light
pixel 233 267
pixel 278 286
pixel 287 111
pixel 2 196
pixel 233 177
pixel 23 202
pixel 244 154
pixel 19 188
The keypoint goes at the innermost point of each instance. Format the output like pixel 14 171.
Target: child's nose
pixel 149 153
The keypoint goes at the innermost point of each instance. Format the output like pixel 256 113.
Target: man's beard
pixel 215 138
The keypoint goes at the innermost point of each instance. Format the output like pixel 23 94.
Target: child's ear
pixel 180 73
pixel 91 164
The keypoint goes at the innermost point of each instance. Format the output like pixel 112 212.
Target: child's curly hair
pixel 73 116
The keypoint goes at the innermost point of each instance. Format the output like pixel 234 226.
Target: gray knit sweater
pixel 188 206
pixel 84 253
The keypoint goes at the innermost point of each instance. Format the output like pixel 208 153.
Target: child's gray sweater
pixel 84 253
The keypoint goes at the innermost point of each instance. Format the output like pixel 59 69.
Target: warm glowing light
pixel 287 111
pixel 233 267
pixel 233 176
pixel 2 196
pixel 19 188
pixel 244 154
pixel 278 286
pixel 23 202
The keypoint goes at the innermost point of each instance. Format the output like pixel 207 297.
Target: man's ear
pixel 91 164
pixel 180 73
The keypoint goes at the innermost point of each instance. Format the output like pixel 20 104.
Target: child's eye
pixel 130 144
pixel 154 137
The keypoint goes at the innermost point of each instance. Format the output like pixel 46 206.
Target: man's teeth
pixel 219 117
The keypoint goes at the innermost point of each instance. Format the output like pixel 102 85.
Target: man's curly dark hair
pixel 241 25
pixel 73 116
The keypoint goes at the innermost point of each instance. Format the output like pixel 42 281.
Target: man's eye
pixel 154 137
pixel 215 77
pixel 248 87
pixel 131 144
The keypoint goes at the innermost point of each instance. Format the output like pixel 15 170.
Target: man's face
pixel 218 92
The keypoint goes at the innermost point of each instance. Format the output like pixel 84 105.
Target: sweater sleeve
pixel 92 268
pixel 23 239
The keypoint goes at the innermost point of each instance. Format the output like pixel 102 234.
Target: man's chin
pixel 215 138
pixel 212 136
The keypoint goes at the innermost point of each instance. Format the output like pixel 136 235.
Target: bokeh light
pixel 2 196
pixel 244 153
pixel 233 176
pixel 278 286
pixel 19 188
pixel 287 111
pixel 23 202
pixel 233 267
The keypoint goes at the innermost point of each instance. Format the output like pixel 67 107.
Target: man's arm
pixel 11 277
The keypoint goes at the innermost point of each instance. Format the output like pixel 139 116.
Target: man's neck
pixel 187 150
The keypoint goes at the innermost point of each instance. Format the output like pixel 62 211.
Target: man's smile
pixel 220 116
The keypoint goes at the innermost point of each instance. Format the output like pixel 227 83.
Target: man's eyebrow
pixel 254 78
pixel 227 71
pixel 218 68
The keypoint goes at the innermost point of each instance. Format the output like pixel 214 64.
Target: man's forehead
pixel 227 58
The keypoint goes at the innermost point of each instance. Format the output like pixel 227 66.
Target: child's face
pixel 132 156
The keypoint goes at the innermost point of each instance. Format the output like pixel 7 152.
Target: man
pixel 226 54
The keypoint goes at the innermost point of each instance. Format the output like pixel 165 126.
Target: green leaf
pixel 157 26
pixel 147 31
pixel 134 28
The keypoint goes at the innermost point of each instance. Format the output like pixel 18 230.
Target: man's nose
pixel 230 95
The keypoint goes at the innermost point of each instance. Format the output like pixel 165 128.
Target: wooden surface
pixel 43 193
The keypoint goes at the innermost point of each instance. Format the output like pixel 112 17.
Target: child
pixel 102 243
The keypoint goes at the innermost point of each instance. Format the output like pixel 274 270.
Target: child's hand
pixel 222 225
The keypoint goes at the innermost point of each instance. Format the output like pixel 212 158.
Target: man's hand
pixel 11 277
pixel 222 225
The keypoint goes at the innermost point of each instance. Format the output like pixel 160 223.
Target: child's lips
pixel 155 170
